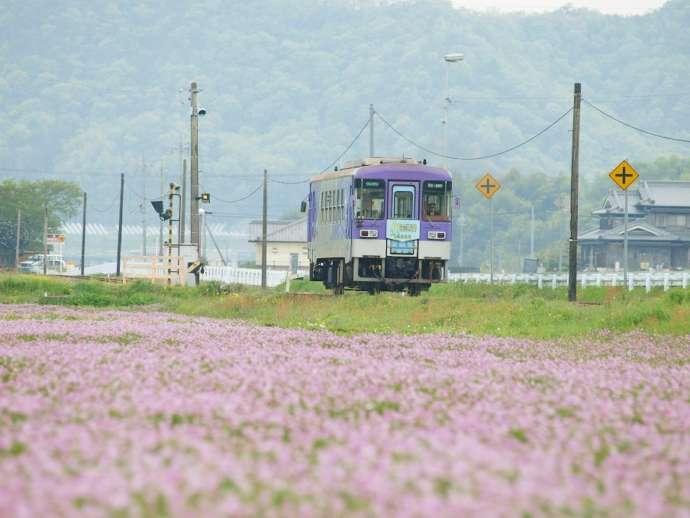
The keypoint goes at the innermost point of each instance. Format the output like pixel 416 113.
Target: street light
pixel 453 57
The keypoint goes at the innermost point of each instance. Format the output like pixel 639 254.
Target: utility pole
pixel 194 167
pixel 371 130
pixel 119 226
pixel 143 210
pixel 19 232
pixel 160 224
pixel 45 240
pixel 531 232
pixel 183 202
pixel 83 235
pixel 264 228
pixel 574 183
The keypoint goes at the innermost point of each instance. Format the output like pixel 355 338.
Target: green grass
pixel 517 310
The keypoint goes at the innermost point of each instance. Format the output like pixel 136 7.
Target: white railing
pixel 246 276
pixel 644 280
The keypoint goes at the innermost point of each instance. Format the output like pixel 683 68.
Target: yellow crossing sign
pixel 488 186
pixel 624 175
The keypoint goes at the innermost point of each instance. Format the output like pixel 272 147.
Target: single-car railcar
pixel 380 224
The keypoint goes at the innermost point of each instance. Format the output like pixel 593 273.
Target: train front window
pixel 403 202
pixel 370 199
pixel 436 201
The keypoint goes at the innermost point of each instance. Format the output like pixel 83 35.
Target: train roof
pixel 380 167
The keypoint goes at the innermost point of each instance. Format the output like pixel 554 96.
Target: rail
pixel 665 280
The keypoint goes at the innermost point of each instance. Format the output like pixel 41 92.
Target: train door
pixel 403 197
pixel 402 227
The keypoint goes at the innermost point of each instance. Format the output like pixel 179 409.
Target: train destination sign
pixel 624 175
pixel 488 186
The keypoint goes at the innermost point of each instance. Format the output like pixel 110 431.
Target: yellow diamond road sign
pixel 488 186
pixel 624 175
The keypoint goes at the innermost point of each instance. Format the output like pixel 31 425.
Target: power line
pixel 647 132
pixel 482 157
pixel 329 166
pixel 239 199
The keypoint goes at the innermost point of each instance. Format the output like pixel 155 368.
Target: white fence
pixel 635 280
pixel 252 277
pixel 246 276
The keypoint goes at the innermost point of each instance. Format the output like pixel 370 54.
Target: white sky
pixel 623 7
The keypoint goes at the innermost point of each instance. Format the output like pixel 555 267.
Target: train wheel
pixel 414 290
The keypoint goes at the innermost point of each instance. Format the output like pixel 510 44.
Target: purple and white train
pixel 380 224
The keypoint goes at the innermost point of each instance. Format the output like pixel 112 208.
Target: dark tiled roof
pixel 637 231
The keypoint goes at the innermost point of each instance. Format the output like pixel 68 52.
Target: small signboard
pixel 488 186
pixel 402 229
pixel 624 175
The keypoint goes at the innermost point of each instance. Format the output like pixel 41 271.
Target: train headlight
pixel 435 234
pixel 368 233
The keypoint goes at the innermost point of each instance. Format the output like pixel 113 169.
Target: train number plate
pixel 402 247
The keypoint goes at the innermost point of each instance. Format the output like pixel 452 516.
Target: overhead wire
pixel 238 199
pixel 636 128
pixel 469 158
pixel 329 166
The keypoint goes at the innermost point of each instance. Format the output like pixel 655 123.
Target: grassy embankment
pixel 477 309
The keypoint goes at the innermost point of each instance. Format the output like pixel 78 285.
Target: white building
pixel 283 240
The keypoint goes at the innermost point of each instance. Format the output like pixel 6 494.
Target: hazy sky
pixel 625 7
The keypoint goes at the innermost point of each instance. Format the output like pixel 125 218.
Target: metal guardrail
pixel 665 280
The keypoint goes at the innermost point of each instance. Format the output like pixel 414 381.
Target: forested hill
pixel 98 87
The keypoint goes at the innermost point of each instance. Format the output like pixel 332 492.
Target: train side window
pixel 369 201
pixel 436 197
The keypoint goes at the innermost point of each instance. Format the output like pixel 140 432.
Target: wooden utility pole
pixel 45 240
pixel 574 186
pixel 83 235
pixel 160 221
pixel 183 203
pixel 264 228
pixel 194 168
pixel 119 226
pixel 19 232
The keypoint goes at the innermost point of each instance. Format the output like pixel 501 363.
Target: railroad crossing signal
pixel 488 186
pixel 624 175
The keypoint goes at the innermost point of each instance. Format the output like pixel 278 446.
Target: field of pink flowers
pixel 123 413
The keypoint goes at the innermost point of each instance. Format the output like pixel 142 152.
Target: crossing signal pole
pixel 574 182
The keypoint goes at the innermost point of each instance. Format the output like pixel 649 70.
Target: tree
pixel 61 198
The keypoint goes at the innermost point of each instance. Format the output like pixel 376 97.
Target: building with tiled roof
pixel 658 229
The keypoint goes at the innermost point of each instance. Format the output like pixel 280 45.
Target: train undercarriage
pixel 375 274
